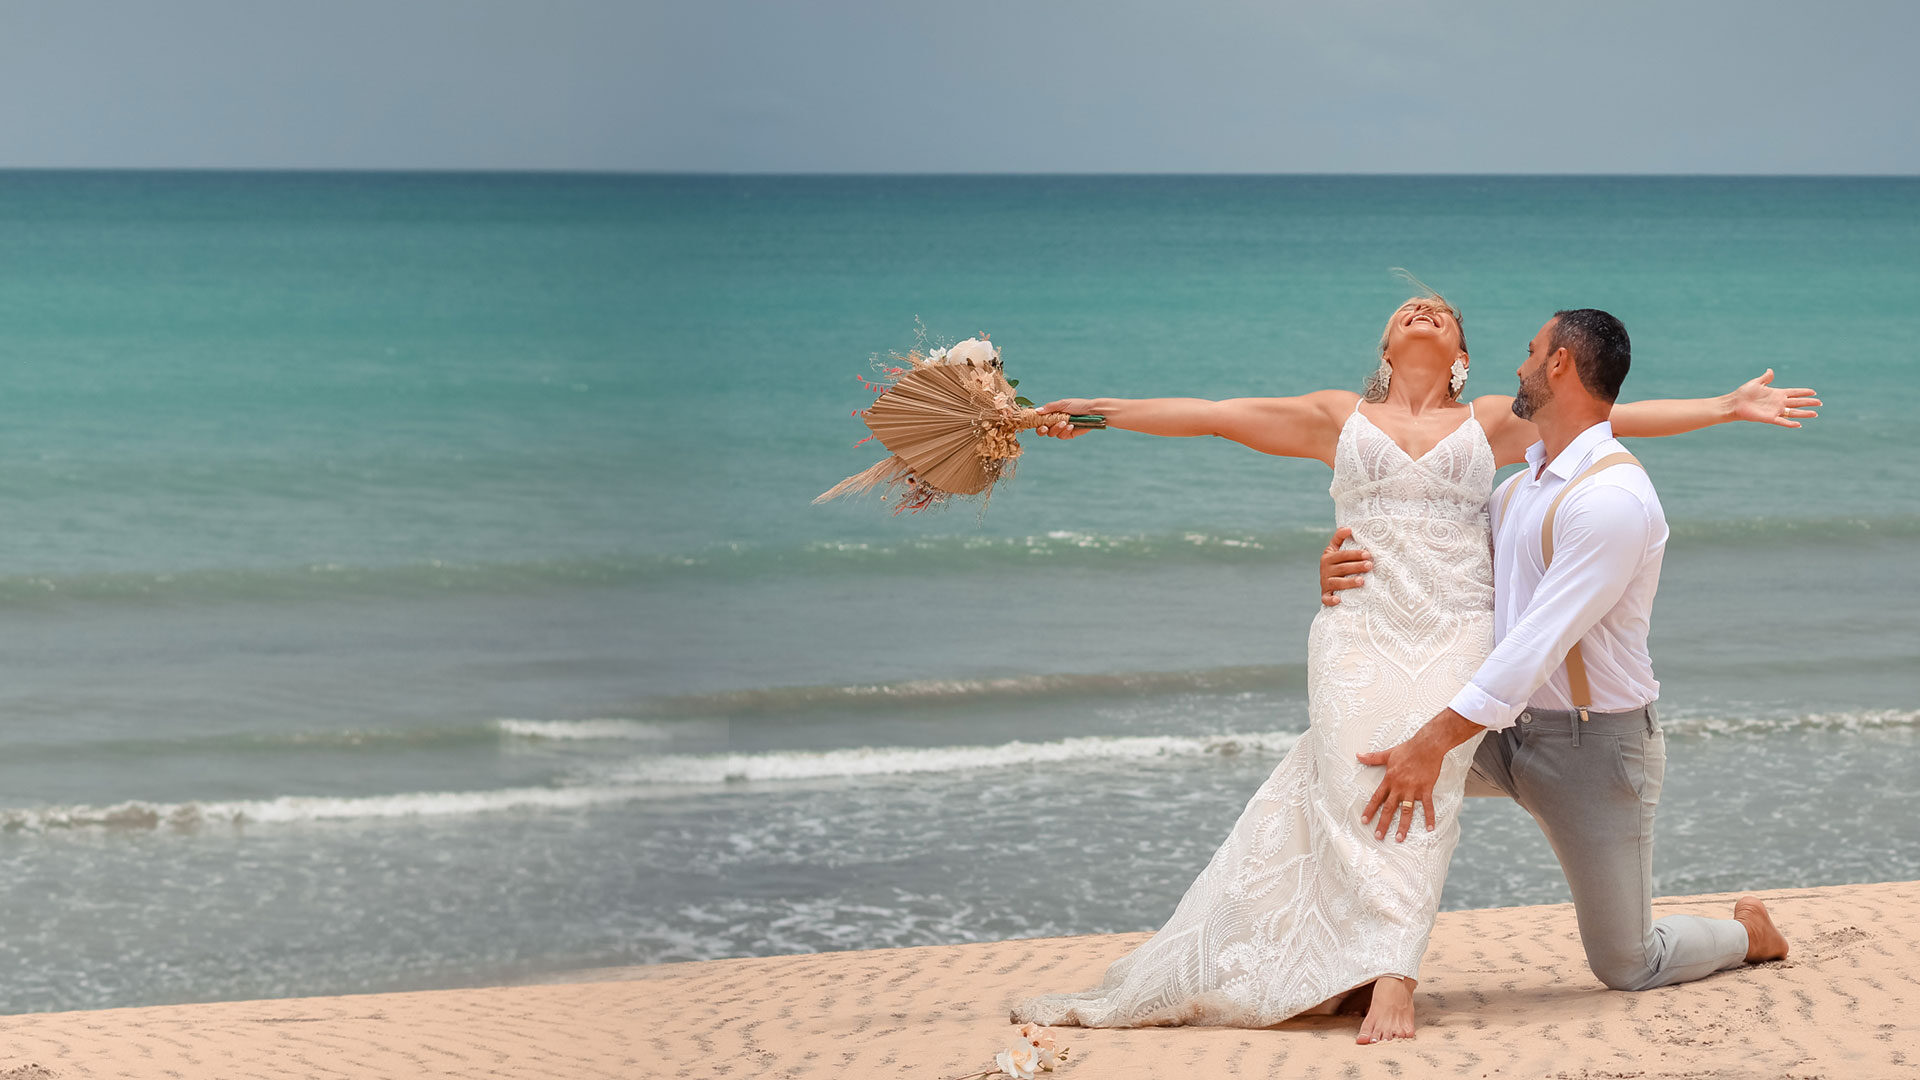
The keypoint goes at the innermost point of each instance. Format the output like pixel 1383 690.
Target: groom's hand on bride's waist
pixel 1413 767
pixel 1341 568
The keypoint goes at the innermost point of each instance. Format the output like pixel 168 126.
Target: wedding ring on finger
pixel 1406 804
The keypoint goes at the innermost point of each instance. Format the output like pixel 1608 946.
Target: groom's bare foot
pixel 1764 940
pixel 1391 1014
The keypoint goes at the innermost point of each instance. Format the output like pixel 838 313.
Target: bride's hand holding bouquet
pixel 1073 406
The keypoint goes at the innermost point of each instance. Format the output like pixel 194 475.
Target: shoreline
pixel 1505 992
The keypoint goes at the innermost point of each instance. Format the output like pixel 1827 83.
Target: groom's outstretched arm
pixel 1756 400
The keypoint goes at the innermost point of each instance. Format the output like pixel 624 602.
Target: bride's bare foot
pixel 1391 1014
pixel 1764 941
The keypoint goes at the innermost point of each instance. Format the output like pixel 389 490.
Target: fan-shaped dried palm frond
pixel 950 420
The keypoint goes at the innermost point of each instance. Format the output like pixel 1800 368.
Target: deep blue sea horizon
pixel 412 578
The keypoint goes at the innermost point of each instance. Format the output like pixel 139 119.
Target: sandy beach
pixel 1505 994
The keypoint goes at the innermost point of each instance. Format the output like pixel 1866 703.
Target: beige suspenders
pixel 1576 664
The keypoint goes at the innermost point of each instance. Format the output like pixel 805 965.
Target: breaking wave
pixel 641 778
pixel 662 775
pixel 918 692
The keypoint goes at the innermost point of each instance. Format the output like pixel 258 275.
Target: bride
pixel 1302 910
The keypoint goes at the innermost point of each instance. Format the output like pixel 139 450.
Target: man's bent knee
pixel 1624 974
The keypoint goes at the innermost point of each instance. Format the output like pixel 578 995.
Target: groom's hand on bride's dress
pixel 1341 568
pixel 1408 784
pixel 1413 767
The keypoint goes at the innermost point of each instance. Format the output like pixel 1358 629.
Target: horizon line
pixel 857 174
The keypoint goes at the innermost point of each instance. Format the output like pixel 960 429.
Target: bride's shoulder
pixel 1318 406
pixel 1506 433
pixel 1335 403
pixel 1495 413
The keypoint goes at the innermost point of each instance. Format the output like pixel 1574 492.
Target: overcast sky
pixel 1762 86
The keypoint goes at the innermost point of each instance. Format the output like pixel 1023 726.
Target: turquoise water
pixel 412 579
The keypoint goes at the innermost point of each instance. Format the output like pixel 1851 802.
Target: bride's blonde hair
pixel 1431 300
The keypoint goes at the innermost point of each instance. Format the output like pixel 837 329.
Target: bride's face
pixel 1424 320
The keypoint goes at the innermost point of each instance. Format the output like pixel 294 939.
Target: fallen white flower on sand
pixel 1019 1062
pixel 1044 1040
pixel 1037 1052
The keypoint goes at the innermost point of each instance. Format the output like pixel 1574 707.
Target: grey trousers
pixel 1592 787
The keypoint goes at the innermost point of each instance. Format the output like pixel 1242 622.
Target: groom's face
pixel 1534 391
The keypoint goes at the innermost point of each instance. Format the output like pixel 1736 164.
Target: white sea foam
pixel 654 776
pixel 290 809
pixel 885 760
pixel 581 729
pixel 783 700
pixel 1719 721
pixel 643 777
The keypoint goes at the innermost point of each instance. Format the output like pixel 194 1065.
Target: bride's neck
pixel 1422 378
pixel 1419 391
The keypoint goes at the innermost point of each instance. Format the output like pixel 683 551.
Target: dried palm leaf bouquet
pixel 950 417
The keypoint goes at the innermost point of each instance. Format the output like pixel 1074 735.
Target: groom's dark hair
pixel 1599 346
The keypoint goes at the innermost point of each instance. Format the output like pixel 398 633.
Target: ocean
pixel 411 580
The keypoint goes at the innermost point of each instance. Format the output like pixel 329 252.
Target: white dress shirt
pixel 1608 539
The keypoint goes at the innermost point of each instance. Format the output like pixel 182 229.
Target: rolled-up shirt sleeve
pixel 1599 542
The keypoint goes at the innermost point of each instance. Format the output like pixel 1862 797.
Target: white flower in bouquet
pixel 973 350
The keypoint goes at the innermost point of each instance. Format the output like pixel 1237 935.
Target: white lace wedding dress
pixel 1301 903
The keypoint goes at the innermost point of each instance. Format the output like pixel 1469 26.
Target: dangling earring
pixel 1459 376
pixel 1378 381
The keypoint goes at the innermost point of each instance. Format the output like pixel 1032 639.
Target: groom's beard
pixel 1533 393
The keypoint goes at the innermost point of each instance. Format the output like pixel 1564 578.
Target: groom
pixel 1566 697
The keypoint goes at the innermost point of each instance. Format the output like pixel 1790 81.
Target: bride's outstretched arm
pixel 1305 427
pixel 1756 400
